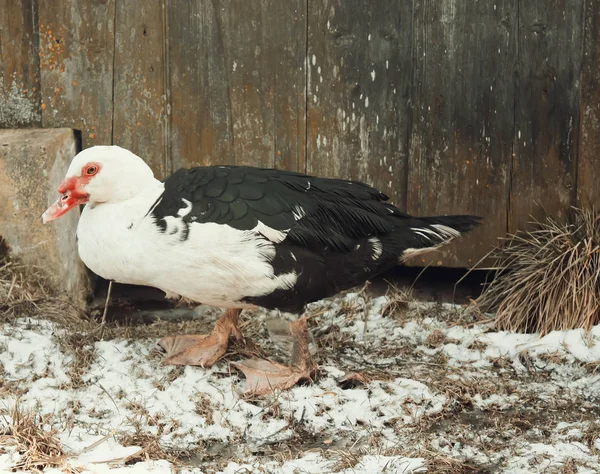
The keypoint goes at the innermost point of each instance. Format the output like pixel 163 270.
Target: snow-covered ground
pixel 441 394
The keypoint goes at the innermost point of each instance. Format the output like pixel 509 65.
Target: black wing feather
pixel 316 212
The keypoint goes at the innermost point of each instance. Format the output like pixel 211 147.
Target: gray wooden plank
pixel 76 62
pixel 237 82
pixel 588 174
pixel 20 95
pixel 359 76
pixel 547 111
pixel 201 132
pixel 289 80
pixel 140 90
pixel 463 119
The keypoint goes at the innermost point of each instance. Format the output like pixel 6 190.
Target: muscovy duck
pixel 237 237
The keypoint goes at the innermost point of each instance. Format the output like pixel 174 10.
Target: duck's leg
pixel 203 350
pixel 264 376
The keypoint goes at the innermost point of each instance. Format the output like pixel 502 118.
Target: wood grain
pixel 547 111
pixel 20 95
pixel 463 119
pixel 140 91
pixel 201 129
pixel 359 77
pixel 237 81
pixel 76 60
pixel 588 175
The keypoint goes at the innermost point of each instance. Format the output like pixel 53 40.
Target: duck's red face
pixel 72 192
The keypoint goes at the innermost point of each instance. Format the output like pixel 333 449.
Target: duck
pixel 239 237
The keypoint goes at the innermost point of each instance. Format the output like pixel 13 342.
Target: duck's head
pixel 98 175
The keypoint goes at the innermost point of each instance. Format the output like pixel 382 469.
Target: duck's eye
pixel 91 170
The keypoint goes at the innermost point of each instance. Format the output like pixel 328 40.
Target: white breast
pixel 215 264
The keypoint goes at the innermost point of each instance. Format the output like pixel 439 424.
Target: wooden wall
pixel 488 107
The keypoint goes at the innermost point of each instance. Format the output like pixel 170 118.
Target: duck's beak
pixel 72 195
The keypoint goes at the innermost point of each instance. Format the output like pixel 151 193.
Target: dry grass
pixel 149 442
pixel 81 348
pixel 548 278
pixel 447 465
pixel 569 467
pixel 435 338
pixel 150 447
pixel 204 408
pixel 398 302
pixel 24 292
pixel 346 459
pixel 591 435
pixel 29 435
pixel 462 390
pixel 434 461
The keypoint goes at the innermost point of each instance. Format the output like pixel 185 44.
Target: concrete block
pixel 33 162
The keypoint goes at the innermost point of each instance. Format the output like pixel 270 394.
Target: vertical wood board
pixel 588 173
pixel 76 61
pixel 20 95
pixel 547 111
pixel 201 132
pixel 359 77
pixel 140 90
pixel 237 82
pixel 463 119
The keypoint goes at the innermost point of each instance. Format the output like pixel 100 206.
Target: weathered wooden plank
pixel 588 174
pixel 140 90
pixel 359 76
pixel 76 61
pixel 237 82
pixel 20 95
pixel 200 116
pixel 547 110
pixel 463 119
pixel 289 79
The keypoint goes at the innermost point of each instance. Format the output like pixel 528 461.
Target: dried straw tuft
pixel 24 291
pixel 548 278
pixel 37 445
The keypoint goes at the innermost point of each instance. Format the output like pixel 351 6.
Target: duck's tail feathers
pixel 428 233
